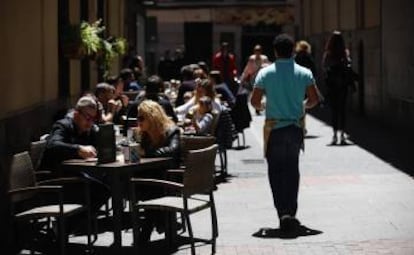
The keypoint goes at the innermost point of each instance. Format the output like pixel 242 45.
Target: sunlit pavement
pixel 350 202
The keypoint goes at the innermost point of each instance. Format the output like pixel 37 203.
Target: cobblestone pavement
pixel 351 201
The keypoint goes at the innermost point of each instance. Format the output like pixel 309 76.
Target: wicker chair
pixel 196 143
pixel 194 194
pixel 41 206
pixel 37 149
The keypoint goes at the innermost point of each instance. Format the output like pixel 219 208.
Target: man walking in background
pixel 225 62
pixel 285 84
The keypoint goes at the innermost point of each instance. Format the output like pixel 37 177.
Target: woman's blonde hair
pixel 157 119
pixel 303 46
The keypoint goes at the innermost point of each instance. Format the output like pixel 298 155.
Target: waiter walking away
pixel 284 83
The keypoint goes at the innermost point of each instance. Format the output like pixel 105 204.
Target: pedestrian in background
pixel 336 64
pixel 285 84
pixel 225 62
pixel 304 57
pixel 255 62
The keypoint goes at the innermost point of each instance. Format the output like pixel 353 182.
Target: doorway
pixel 259 34
pixel 198 42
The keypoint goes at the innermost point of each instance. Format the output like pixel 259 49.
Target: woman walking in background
pixel 303 56
pixel 336 63
pixel 255 62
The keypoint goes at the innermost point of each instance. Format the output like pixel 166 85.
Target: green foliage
pixel 89 34
pixel 120 45
pixel 87 40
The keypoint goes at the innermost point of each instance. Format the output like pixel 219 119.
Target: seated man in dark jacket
pixel 75 137
pixel 154 91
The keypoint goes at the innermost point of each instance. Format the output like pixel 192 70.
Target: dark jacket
pixel 185 86
pixel 63 143
pixel 170 148
pixel 160 98
pixel 305 59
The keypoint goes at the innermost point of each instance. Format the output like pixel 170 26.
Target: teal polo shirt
pixel 284 84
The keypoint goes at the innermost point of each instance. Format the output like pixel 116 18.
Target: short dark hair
pixel 126 74
pixel 154 84
pixel 283 45
pixel 187 72
pixel 103 87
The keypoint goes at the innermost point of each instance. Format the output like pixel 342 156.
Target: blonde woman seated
pixel 201 118
pixel 204 87
pixel 160 137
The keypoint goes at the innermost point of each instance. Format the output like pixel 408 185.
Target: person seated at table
pixel 200 118
pixel 160 137
pixel 154 91
pixel 74 137
pixel 187 83
pixel 187 96
pixel 119 97
pixel 222 88
pixel 204 87
pixel 108 107
pixel 129 80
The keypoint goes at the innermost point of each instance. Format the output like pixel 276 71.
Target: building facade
pixel 36 79
pixel 379 36
pixel 198 27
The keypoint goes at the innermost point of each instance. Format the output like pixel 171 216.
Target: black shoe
pixel 289 224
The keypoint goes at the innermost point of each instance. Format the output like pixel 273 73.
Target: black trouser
pixel 337 98
pixel 283 167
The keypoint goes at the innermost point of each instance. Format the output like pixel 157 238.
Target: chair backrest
pixel 199 170
pixel 21 172
pixel 194 143
pixel 225 130
pixel 37 149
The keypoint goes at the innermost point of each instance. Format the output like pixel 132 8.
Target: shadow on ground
pixel 391 145
pixel 277 233
pixel 158 247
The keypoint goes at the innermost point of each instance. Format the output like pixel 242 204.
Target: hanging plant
pixel 86 40
pixel 120 45
pixel 90 38
pixel 82 40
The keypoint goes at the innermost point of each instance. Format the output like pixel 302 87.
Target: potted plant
pixel 86 40
pixel 83 39
pixel 110 48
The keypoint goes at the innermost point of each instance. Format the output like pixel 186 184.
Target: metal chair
pixel 41 205
pixel 194 194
